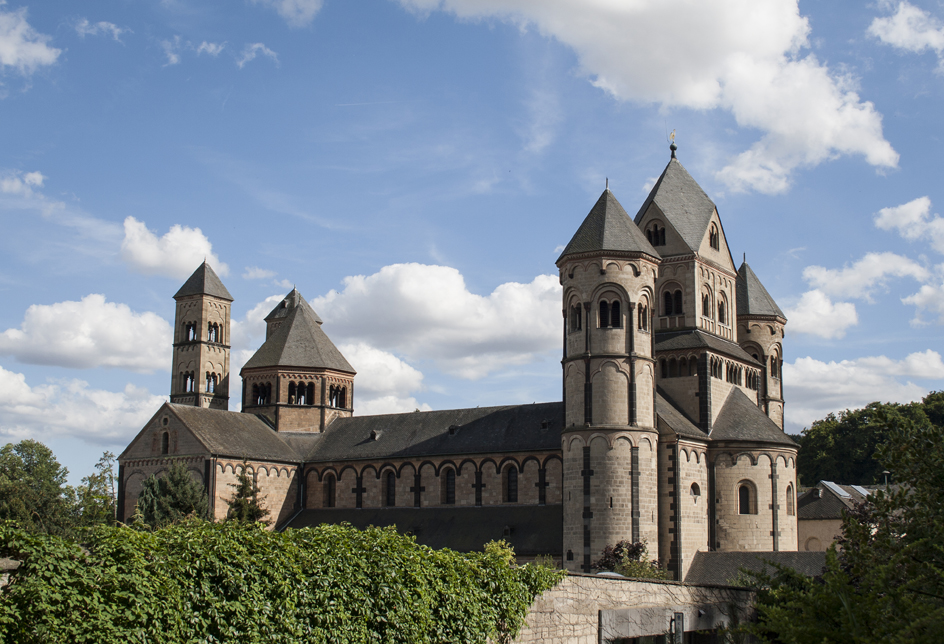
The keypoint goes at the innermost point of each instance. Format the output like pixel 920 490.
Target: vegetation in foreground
pixel 885 584
pixel 196 581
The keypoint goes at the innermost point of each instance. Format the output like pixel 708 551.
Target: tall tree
pixel 33 490
pixel 245 504
pixel 95 497
pixel 172 497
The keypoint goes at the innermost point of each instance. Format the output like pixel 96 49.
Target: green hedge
pixel 237 582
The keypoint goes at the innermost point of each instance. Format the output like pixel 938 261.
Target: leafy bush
pixel 630 559
pixel 197 581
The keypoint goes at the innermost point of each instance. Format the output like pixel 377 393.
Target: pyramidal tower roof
pixel 683 203
pixel 299 341
pixel 204 281
pixel 752 297
pixel 608 228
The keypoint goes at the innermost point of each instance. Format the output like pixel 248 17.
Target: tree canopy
pixel 885 582
pixel 33 490
pixel 172 497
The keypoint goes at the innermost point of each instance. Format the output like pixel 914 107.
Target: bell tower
pixel 609 438
pixel 200 370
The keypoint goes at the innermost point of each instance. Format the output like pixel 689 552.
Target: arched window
pixel 255 395
pixel 746 498
pixel 706 305
pixel 329 489
pixel 713 238
pixel 210 382
pixel 677 308
pixel 616 316
pixel 292 393
pixel 391 491
pixel 575 318
pixel 696 492
pixel 673 368
pixel 774 366
pixel 511 484
pixel 165 443
pixel 665 369
pixel 310 394
pixel 656 234
pixel 667 297
pixel 692 366
pixel 604 314
pixel 642 313
pixel 449 487
pixel 301 394
pixel 721 317
pixel 683 367
pixel 790 500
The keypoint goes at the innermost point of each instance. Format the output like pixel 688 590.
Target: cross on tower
pixel 359 490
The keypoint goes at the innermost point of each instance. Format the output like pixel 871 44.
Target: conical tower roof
pixel 299 341
pixel 752 297
pixel 608 228
pixel 204 281
pixel 683 203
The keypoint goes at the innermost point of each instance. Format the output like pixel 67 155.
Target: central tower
pixel 609 439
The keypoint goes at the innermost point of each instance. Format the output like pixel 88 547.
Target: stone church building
pixel 670 429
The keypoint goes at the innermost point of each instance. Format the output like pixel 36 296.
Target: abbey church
pixel 670 429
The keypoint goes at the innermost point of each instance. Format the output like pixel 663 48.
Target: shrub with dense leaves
pixel 237 582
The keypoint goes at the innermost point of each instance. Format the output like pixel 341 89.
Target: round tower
pixel 760 332
pixel 609 439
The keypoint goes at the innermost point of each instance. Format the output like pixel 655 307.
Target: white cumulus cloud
pixel 816 314
pixel 913 220
pixel 20 184
pixel 171 51
pixel 744 56
pixel 90 333
pixel 256 273
pixel 864 276
pixel 297 13
pixel 72 408
pixel 255 49
pixel 815 388
pixel 910 29
pixel 22 47
pixel 211 48
pixel 177 254
pixel 384 382
pixel 424 312
pixel 85 28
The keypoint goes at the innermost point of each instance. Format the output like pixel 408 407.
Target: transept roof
pixel 752 297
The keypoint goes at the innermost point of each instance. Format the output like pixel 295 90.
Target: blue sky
pixel 415 167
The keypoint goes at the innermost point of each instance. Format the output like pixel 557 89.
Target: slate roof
pixel 230 433
pixel 534 529
pixel 752 297
pixel 291 301
pixel 831 501
pixel 742 420
pixel 299 341
pixel 608 227
pixel 722 568
pixel 675 418
pixel 513 428
pixel 683 203
pixel 695 339
pixel 204 281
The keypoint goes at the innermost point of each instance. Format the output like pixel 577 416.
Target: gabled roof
pixel 697 339
pixel 513 428
pixel 230 433
pixel 752 297
pixel 291 301
pixel 827 500
pixel 608 228
pixel 683 203
pixel 204 281
pixel 675 418
pixel 299 341
pixel 742 420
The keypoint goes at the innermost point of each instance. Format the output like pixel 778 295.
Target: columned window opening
pixel 673 368
pixel 774 366
pixel 616 317
pixel 261 393
pixel 575 318
pixel 656 234
pixel 643 315
pixel 211 383
pixel 714 238
pixel 310 393
pixel 747 498
pixel 213 332
pixel 390 492
pixel 664 368
pixel 677 299
pixel 449 487
pixel 165 443
pixel 329 489
pixel 721 313
pixel 291 393
pixel 338 396
pixel 511 484
pixel 683 367
pixel 791 501
pixel 604 314
pixel 706 305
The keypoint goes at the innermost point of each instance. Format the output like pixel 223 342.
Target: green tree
pixel 885 584
pixel 33 490
pixel 172 497
pixel 245 504
pixel 95 497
